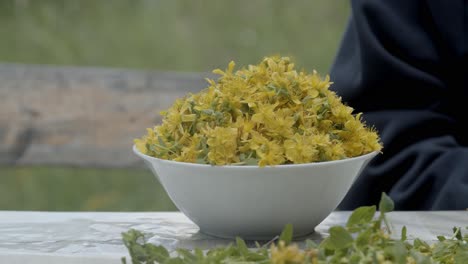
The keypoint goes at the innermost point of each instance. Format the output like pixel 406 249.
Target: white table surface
pixel 95 237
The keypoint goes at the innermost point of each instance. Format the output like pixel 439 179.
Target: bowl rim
pixel 367 156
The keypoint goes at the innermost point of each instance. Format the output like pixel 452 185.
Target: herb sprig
pixel 364 239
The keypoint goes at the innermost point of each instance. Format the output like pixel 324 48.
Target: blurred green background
pixel 169 35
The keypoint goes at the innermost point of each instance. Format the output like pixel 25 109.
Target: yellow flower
pixel 222 143
pixel 244 127
pixel 283 254
pixel 267 151
pixel 140 144
pixel 191 152
pixel 333 151
pixel 281 124
pixel 340 112
pixel 269 112
pixel 300 149
pixel 264 114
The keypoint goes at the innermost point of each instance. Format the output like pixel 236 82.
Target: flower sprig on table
pixel 365 239
pixel 265 114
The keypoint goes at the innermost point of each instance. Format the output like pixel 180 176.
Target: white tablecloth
pixel 90 237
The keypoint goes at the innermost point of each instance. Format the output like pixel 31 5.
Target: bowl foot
pixel 266 238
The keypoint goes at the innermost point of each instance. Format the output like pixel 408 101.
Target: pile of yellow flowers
pixel 265 114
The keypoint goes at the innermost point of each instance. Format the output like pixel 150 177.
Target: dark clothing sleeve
pixel 404 65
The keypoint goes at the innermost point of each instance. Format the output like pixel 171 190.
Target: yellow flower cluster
pixel 290 254
pixel 265 114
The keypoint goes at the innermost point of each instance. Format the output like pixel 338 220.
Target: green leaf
pixel 326 244
pixel 161 142
pixel 251 161
pixel 363 238
pixel 186 254
pixel 287 234
pixel 339 238
pixel 420 245
pixel 257 245
pixel 200 161
pixel 442 250
pixel 398 251
pixel 417 243
pixel 242 246
pixel 370 243
pixel 310 244
pixel 242 156
pixel 296 117
pixel 138 253
pixel 172 261
pixel 403 234
pixel 254 256
pixel 461 257
pixel 355 259
pixel 386 204
pixel 207 111
pixel 272 87
pixel 133 239
pixel 420 258
pixel 360 216
pixel 199 254
pixel 158 253
pixel 218 254
pixel 307 98
pixel 457 233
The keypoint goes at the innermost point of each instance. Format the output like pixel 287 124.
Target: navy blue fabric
pixel 403 63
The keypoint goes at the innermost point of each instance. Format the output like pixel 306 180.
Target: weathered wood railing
pixel 82 116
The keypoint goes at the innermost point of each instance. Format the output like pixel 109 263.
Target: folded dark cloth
pixel 404 65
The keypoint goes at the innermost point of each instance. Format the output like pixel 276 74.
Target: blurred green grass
pixel 171 35
pixel 88 189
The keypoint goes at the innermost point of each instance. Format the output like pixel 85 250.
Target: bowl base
pixel 300 236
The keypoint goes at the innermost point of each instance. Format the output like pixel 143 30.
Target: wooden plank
pixel 82 116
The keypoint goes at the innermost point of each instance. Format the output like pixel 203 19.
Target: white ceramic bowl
pixel 253 202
